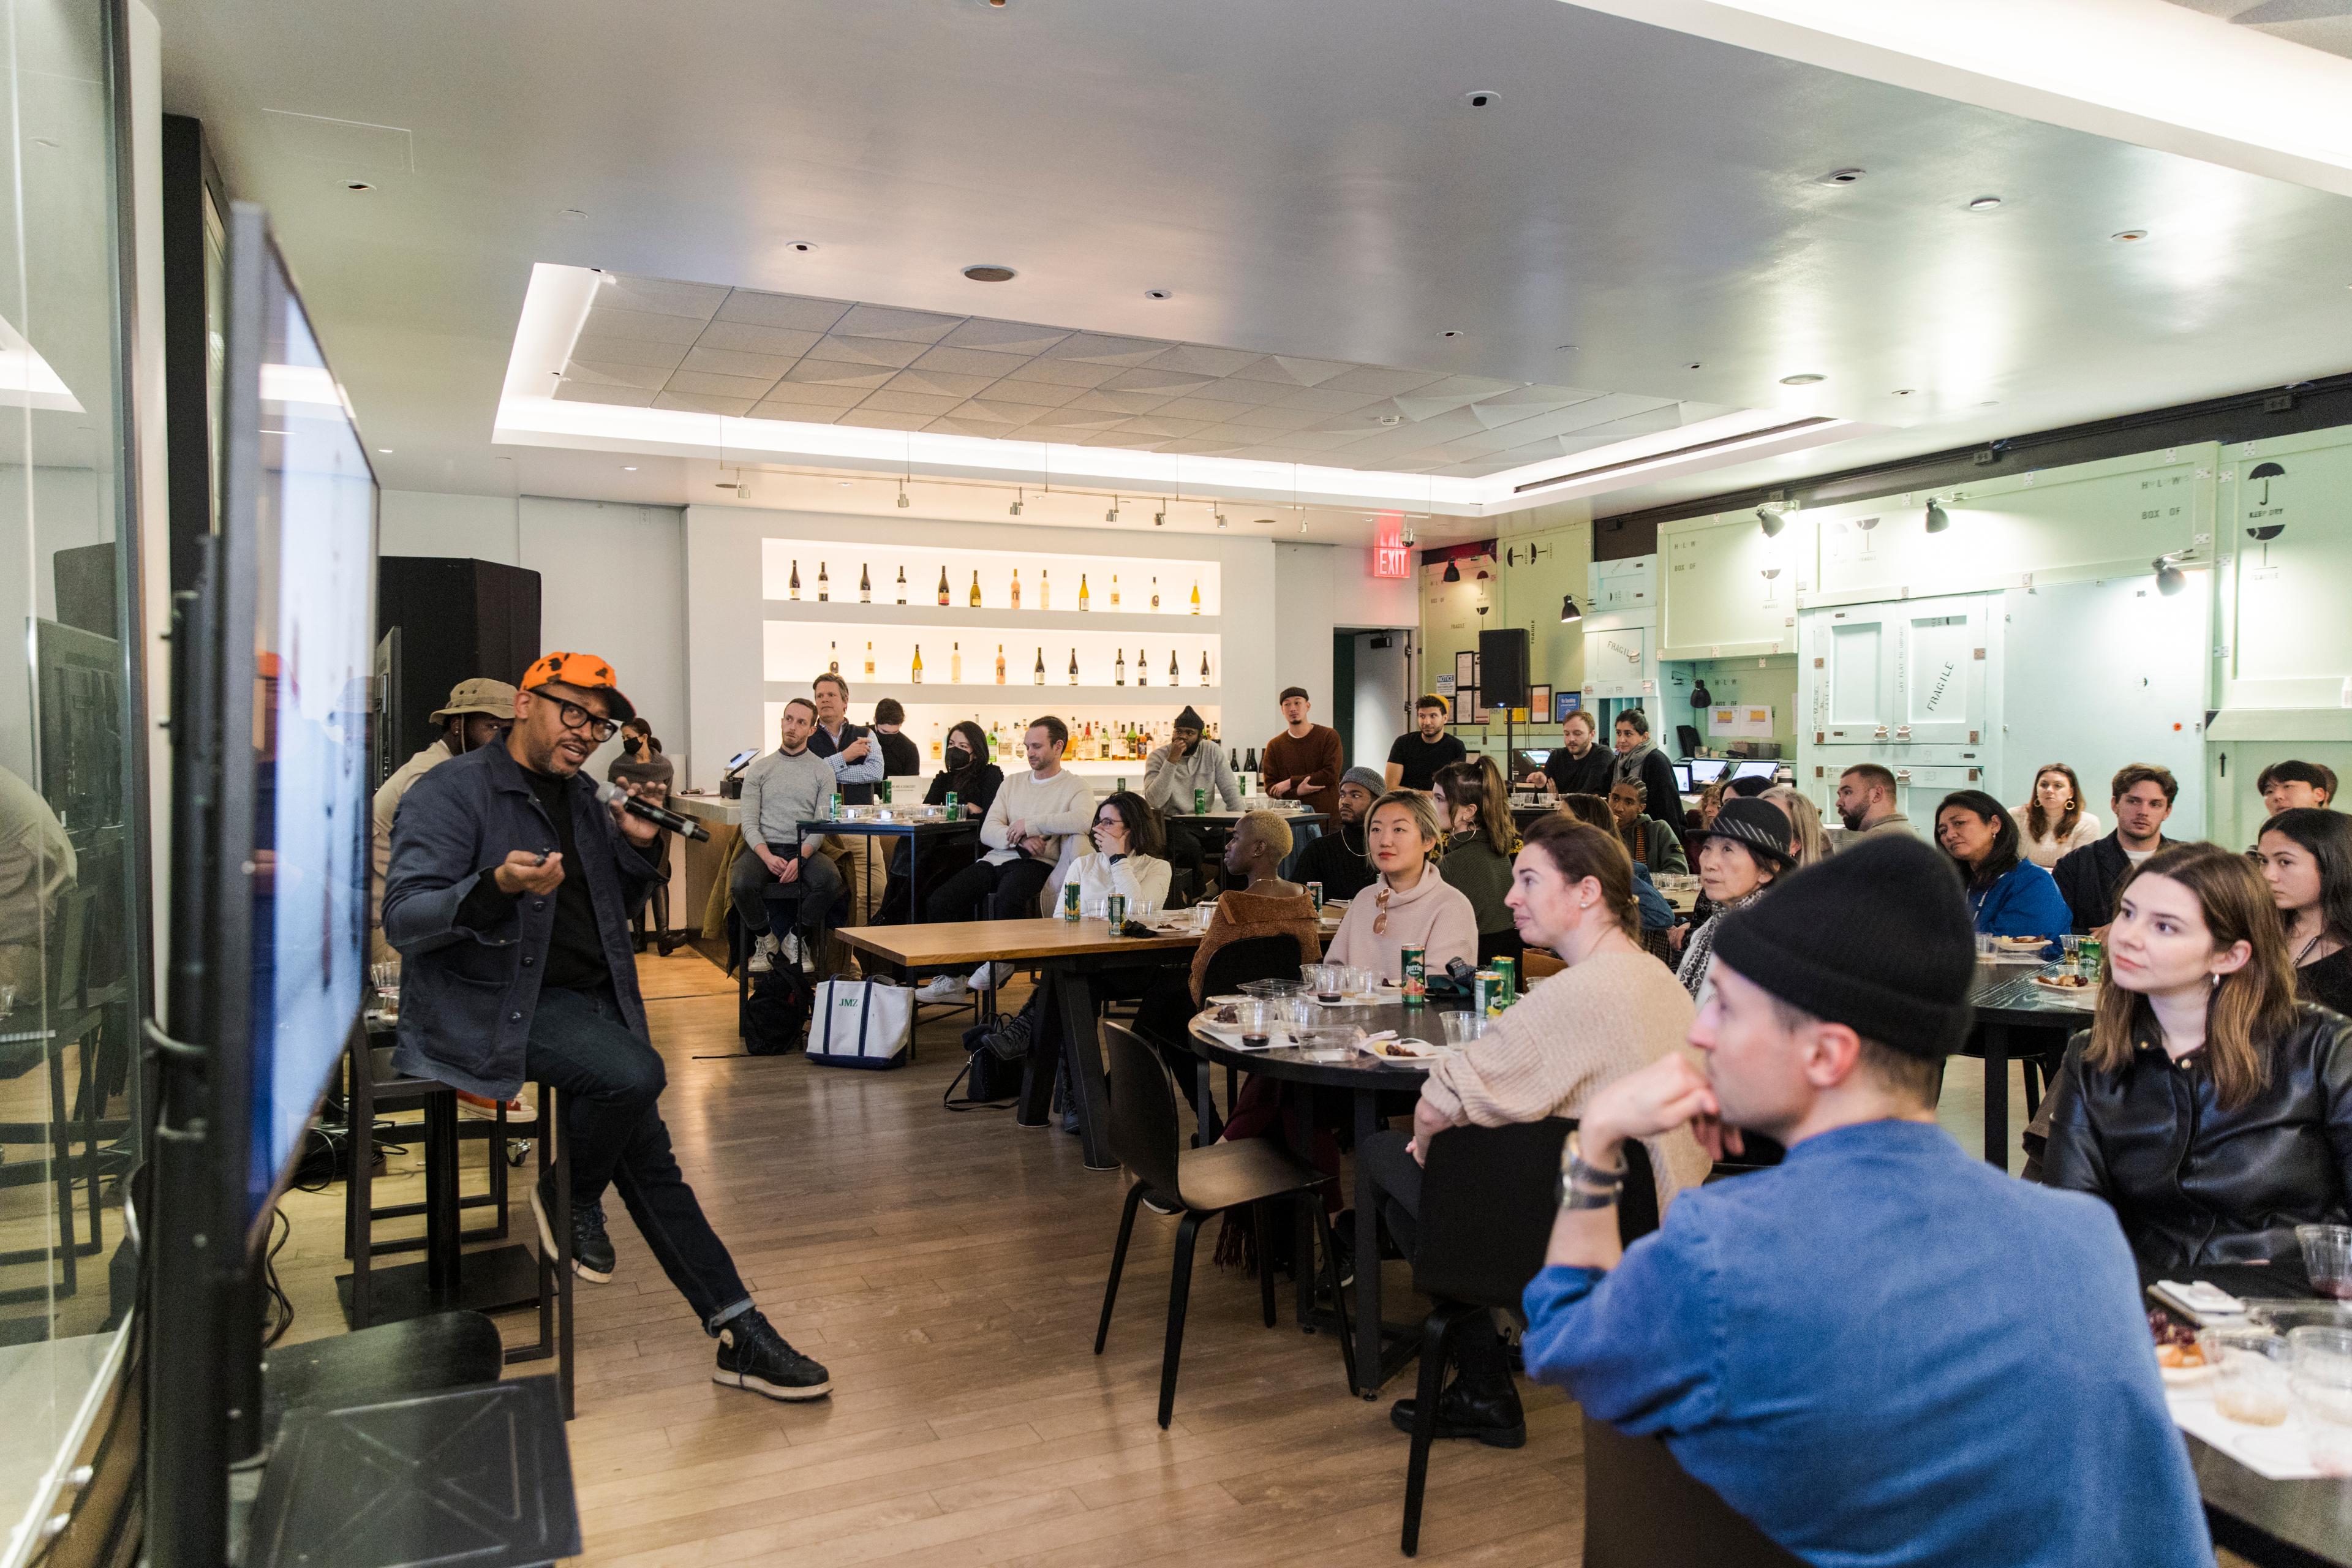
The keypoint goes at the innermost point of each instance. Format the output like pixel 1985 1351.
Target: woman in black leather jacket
pixel 2207 1105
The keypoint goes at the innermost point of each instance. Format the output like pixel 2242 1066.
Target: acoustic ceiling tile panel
pixel 1203 361
pixel 743 337
pixel 904 326
pixel 751 387
pixel 939 382
pixel 1195 408
pixel 1035 394
pixel 1235 393
pixel 1285 369
pixel 1165 382
pixel 1324 399
pixel 1004 337
pixel 837 374
pixel 1120 402
pixel 700 403
pixel 1007 415
pixel 929 405
pixel 1374 381
pixel 600 349
pixel 851 349
pixel 644 326
pixel 1062 372
pixel 1097 348
pixel 969 361
pixel 1074 419
pixel 589 392
pixel 797 311
pixel 809 397
pixel 726 362
pixel 1272 420
pixel 1466 386
pixel 860 418
pixel 598 372
pixel 660 296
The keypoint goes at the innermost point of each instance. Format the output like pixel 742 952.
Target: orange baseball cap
pixel 585 671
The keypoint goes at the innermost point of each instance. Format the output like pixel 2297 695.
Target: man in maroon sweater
pixel 1305 762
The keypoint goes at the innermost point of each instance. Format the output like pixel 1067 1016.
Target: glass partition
pixel 71 990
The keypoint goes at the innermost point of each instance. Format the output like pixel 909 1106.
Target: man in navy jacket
pixel 509 897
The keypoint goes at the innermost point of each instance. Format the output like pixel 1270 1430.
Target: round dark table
pixel 1380 1350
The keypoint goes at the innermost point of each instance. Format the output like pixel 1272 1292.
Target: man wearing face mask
pixel 476 714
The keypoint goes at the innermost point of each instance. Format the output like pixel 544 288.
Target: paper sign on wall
pixel 1740 719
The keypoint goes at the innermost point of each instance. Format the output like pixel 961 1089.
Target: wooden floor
pixel 948 1269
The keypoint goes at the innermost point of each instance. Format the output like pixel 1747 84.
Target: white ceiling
pixel 1640 211
pixel 2315 24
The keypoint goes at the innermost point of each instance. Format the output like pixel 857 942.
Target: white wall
pixel 612 582
pixel 1379 698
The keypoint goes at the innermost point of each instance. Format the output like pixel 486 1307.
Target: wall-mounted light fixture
pixel 1112 515
pixel 902 494
pixel 1772 517
pixel 1452 572
pixel 1569 610
pixel 2170 578
pixel 1937 518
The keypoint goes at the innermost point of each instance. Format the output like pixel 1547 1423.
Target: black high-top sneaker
pixel 752 1355
pixel 591 1249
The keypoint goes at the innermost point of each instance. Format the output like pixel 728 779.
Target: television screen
pixel 1683 777
pixel 301 530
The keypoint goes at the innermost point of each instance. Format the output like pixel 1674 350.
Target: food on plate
pixel 2176 1343
pixel 1402 1050
pixel 2023 943
pixel 2066 982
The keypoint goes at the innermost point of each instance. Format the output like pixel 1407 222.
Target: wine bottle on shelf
pixel 1074 667
pixel 1120 669
pixel 1196 595
pixel 975 588
pixel 937 746
pixel 1102 745
pixel 1016 587
pixel 955 664
pixel 1155 595
pixel 1173 678
pixel 1204 666
pixel 902 584
pixel 832 658
pixel 869 661
pixel 943 585
pixel 1142 668
pixel 823 584
pixel 1045 591
pixel 919 664
pixel 1085 601
pixel 1037 676
pixel 865 584
pixel 1000 664
pixel 1114 589
pixel 794 586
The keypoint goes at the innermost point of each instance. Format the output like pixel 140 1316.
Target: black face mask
pixel 959 757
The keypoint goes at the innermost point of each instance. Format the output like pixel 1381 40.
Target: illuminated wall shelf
pixel 1048 698
pixel 950 619
pixel 844 562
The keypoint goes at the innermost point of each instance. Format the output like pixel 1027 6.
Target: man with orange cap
pixel 510 899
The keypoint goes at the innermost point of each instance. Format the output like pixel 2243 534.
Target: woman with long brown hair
pixel 2053 823
pixel 2205 1104
pixel 1481 838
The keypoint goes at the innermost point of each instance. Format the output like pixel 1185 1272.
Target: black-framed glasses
pixel 574 717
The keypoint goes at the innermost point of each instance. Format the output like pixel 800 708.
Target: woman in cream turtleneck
pixel 1411 905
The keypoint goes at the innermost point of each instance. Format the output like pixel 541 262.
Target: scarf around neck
pixel 1628 763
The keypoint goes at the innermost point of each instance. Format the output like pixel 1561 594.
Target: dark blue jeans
pixel 610 1082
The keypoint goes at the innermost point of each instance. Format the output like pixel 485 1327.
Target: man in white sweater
pixel 1035 817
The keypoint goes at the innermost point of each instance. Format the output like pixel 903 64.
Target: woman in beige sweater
pixel 1612 1010
pixel 1411 905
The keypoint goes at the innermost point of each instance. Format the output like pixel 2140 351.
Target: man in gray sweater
pixel 785 788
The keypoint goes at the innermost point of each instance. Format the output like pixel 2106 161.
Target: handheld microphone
pixel 660 816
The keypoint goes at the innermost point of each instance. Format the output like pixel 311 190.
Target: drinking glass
pixel 1255 1016
pixel 1360 982
pixel 2327 1259
pixel 1985 946
pixel 2250 1373
pixel 1463 1027
pixel 2320 1386
pixel 1327 981
pixel 385 978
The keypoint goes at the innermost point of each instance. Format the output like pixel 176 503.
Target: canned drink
pixel 833 806
pixel 2090 958
pixel 1200 803
pixel 1416 974
pixel 1315 892
pixel 1069 901
pixel 955 808
pixel 1509 968
pixel 1115 911
pixel 1122 782
pixel 885 788
pixel 1489 999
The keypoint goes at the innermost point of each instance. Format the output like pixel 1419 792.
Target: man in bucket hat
pixel 510 899
pixel 1880 1351
pixel 478 712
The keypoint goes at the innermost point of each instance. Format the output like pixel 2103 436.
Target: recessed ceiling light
pixel 1482 98
pixel 45 141
pixel 1155 293
pixel 572 214
pixel 989 273
pixel 1984 204
pixel 1993 403
pixel 1450 332
pixel 384 451
pixel 1388 418
pixel 1563 348
pixel 1903 391
pixel 358 187
pixel 2129 235
pixel 629 467
pixel 800 246
pixel 1807 379
pixel 1265 522
pixel 1693 365
pixel 844 484
pixel 1839 177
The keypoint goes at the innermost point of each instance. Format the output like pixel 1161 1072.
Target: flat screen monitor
pixel 1529 763
pixel 297 665
pixel 1705 770
pixel 1683 777
pixel 738 760
pixel 1757 770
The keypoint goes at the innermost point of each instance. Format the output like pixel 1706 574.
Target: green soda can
pixel 1489 998
pixel 955 807
pixel 1315 893
pixel 884 787
pixel 1069 901
pixel 1509 968
pixel 2091 959
pixel 1200 803
pixel 1416 974
pixel 1122 782
pixel 1115 911
pixel 833 806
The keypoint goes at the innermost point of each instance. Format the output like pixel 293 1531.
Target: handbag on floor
pixel 776 1013
pixel 862 1024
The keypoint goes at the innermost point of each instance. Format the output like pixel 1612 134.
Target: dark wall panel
pixel 457 619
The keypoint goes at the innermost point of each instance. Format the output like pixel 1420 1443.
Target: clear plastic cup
pixel 2250 1373
pixel 2320 1389
pixel 1327 982
pixel 1462 1027
pixel 1985 946
pixel 2327 1259
pixel 1360 982
pixel 1255 1016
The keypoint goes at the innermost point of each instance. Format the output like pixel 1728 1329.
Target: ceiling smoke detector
pixel 1155 293
pixel 1807 379
pixel 988 272
pixel 358 187
pixel 1984 204
pixel 2129 236
pixel 1839 177
pixel 1482 98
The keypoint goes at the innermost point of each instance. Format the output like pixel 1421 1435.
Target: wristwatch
pixel 1586 1186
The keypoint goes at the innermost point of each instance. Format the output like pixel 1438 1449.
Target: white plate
pixel 2183 1376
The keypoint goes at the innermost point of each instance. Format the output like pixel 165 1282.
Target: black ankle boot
pixel 1493 1417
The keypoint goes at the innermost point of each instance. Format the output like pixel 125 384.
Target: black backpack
pixel 776 1015
pixel 994 1055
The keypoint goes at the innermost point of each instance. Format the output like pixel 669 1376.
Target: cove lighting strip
pixel 558 303
pixel 1717 447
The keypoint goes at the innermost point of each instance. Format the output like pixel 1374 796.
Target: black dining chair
pixel 1488 1198
pixel 1203 1183
pixel 1643 1509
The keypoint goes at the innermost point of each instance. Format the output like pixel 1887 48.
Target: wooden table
pixel 2008 1004
pixel 1380 1350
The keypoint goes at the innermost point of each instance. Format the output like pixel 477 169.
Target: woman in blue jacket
pixel 2010 896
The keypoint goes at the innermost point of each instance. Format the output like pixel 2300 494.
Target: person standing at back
pixel 1793 1335
pixel 476 715
pixel 1638 757
pixel 2087 878
pixel 1304 763
pixel 1414 759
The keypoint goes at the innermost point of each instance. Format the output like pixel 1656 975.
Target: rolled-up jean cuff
pixel 726 1315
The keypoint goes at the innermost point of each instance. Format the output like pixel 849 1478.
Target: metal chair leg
pixel 1180 1294
pixel 1434 1336
pixel 1265 1261
pixel 1314 1199
pixel 1117 1262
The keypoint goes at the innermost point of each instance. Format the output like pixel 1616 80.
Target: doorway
pixel 1371 675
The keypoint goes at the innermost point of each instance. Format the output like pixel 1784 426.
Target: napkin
pixel 2276 1453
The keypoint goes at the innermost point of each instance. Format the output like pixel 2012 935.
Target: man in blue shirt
pixel 1882 1350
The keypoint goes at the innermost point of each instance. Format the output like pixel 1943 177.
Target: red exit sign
pixel 1389 557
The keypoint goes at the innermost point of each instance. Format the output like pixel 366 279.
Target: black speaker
pixel 1503 667
pixel 457 619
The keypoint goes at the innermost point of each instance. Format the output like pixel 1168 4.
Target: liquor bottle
pixel 919 664
pixel 1045 591
pixel 1196 595
pixel 1085 601
pixel 1155 595
pixel 902 584
pixel 1142 668
pixel 1103 746
pixel 1016 587
pixel 1114 589
pixel 823 584
pixel 1121 668
pixel 1074 667
pixel 1204 666
pixel 1038 676
pixel 975 588
pixel 935 748
pixel 1000 664
pixel 831 656
pixel 1173 678
pixel 943 585
pixel 865 584
pixel 869 661
pixel 795 584
pixel 955 664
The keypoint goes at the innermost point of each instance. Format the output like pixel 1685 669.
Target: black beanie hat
pixel 1188 719
pixel 1877 937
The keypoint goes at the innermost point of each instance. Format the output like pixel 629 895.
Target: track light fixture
pixel 1112 515
pixel 1773 518
pixel 1159 517
pixel 1018 496
pixel 1221 520
pixel 1568 609
pixel 2170 578
pixel 1937 518
pixel 902 494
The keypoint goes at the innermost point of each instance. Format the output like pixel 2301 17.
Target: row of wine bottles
pixel 1044 589
pixel 1093 742
pixel 1037 673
